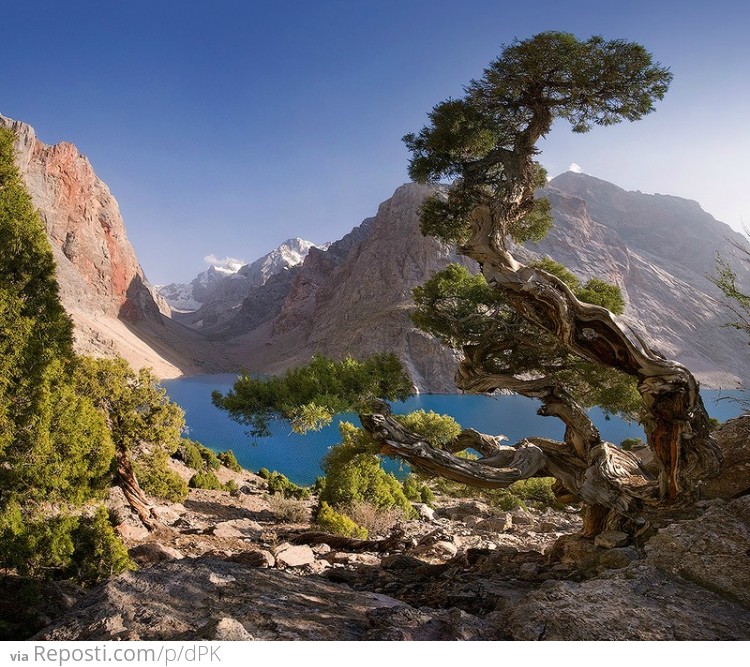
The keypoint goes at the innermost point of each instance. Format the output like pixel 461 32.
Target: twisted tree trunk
pixel 134 494
pixel 615 484
pixel 676 422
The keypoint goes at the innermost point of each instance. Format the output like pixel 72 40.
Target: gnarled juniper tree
pixel 533 328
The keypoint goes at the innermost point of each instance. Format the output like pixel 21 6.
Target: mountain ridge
pixel 354 296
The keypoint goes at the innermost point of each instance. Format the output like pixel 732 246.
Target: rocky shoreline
pixel 223 566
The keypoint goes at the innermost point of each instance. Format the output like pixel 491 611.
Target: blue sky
pixel 224 128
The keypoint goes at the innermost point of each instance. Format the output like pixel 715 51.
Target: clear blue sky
pixel 226 127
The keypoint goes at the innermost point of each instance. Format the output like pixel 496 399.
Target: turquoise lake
pixel 298 456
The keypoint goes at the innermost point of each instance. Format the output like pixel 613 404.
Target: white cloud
pixel 576 169
pixel 226 264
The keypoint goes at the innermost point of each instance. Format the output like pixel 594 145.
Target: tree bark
pixel 134 494
pixel 676 422
pixel 610 478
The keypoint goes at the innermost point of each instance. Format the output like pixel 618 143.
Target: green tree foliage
pixel 65 545
pixel 205 479
pixel 157 479
pixel 197 456
pixel 475 142
pixel 56 450
pixel 137 409
pixel 281 485
pixel 463 311
pixel 34 328
pixel 737 300
pixel 229 460
pixel 354 474
pixel 99 553
pixel 309 396
pixel 337 523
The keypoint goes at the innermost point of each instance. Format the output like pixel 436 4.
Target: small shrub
pixel 281 484
pixel 229 460
pixel 194 455
pixel 156 479
pixel 537 489
pixel 231 486
pixel 428 497
pixel 418 492
pixel 99 552
pixel 205 479
pixel 375 520
pixel 336 523
pixel 288 510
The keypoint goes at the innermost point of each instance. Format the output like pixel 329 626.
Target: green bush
pixel 205 479
pixel 535 489
pixel 229 460
pixel 418 492
pixel 336 523
pixel 99 552
pixel 36 547
pixel 281 484
pixel 354 474
pixel 196 456
pixel 63 546
pixel 157 479
pixel 231 486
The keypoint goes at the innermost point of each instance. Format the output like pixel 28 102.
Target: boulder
pixel 150 553
pixel 224 629
pixel 240 528
pixel 711 550
pixel 734 440
pixel 611 539
pixel 288 555
pixel 637 603
pixel 255 558
pixel 496 524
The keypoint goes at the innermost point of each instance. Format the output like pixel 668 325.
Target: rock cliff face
pixel 659 249
pixel 355 298
pixel 102 285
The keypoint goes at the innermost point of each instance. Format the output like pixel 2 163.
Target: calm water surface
pixel 298 456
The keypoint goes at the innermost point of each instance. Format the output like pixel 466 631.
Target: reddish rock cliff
pixel 102 285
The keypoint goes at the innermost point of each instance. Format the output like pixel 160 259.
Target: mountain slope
pixel 657 248
pixel 215 295
pixel 102 285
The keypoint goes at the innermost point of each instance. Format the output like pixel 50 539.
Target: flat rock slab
pixel 712 550
pixel 238 528
pixel 288 555
pixel 639 603
pixel 210 598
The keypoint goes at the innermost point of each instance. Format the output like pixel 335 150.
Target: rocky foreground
pixel 244 566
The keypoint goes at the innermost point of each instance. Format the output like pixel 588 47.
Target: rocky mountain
pixel 660 250
pixel 102 285
pixel 215 295
pixel 355 297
